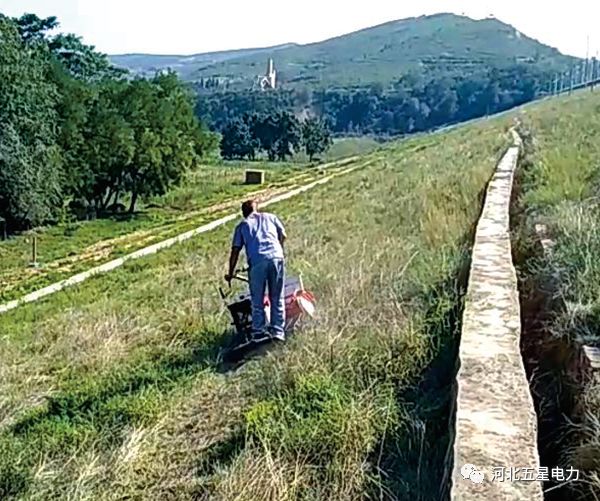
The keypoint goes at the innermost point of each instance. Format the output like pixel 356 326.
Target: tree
pixel 137 137
pixel 72 132
pixel 288 136
pixel 316 137
pixel 220 108
pixel 74 137
pixel 80 60
pixel 265 129
pixel 31 173
pixel 442 99
pixel 419 100
pixel 108 149
pixel 34 29
pixel 168 136
pixel 238 141
pixel 277 134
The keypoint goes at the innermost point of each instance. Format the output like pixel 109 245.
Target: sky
pixel 194 26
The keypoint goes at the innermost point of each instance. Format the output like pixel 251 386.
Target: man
pixel 262 235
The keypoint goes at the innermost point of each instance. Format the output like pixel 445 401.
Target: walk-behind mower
pixel 298 302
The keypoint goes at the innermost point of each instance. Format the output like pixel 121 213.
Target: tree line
pixel 76 132
pixel 417 101
pixel 219 108
pixel 78 135
pixel 277 134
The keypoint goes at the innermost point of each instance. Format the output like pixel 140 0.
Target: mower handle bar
pixel 237 277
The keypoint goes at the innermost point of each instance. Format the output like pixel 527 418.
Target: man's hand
pixel 233 260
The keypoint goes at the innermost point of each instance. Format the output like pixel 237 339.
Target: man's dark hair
pixel 248 207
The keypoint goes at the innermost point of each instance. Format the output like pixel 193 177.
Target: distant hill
pixel 186 66
pixel 378 54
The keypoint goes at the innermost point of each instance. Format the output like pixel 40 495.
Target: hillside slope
pixel 125 397
pixel 561 288
pixel 149 64
pixel 381 53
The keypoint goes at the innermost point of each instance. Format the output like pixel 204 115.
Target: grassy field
pixel 560 188
pixel 350 146
pixel 65 249
pixel 113 390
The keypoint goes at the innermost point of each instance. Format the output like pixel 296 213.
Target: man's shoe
pixel 261 337
pixel 278 335
pixel 243 343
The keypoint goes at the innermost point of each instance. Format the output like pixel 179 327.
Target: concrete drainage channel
pixel 495 420
pixel 518 386
pixel 561 368
pixel 558 368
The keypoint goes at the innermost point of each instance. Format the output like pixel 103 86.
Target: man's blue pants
pixel 267 273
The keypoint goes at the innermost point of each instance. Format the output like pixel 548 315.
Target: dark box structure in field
pixel 255 177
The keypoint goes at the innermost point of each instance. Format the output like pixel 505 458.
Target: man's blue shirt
pixel 259 234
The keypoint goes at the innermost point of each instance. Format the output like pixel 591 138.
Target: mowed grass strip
pixel 111 390
pixel 71 247
pixel 562 190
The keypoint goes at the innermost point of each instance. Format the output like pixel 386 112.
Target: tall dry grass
pixel 355 405
pixel 561 189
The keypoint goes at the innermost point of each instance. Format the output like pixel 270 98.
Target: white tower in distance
pixel 269 81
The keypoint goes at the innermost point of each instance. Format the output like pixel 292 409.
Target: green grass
pixel 560 189
pixel 72 247
pixel 347 147
pixel 113 390
pixel 344 147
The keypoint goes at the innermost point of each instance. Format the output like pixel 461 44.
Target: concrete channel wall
pixel 496 427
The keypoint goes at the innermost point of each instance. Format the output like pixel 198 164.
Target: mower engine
pixel 297 303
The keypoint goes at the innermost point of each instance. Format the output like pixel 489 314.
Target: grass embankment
pixel 112 390
pixel 350 146
pixel 344 147
pixel 560 189
pixel 69 248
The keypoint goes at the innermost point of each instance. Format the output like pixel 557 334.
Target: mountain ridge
pixel 195 54
pixel 377 53
pixel 147 63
